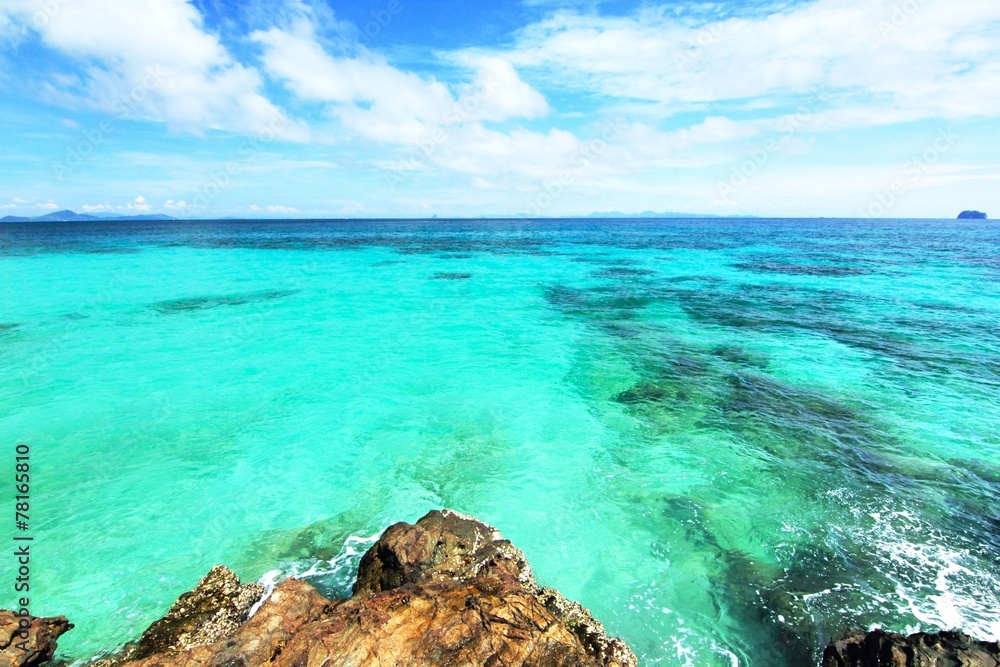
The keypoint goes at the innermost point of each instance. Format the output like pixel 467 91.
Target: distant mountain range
pixel 654 214
pixel 70 216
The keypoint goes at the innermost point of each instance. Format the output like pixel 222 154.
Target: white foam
pixel 689 648
pixel 344 563
pixel 940 583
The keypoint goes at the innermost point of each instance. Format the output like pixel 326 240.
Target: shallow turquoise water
pixel 731 439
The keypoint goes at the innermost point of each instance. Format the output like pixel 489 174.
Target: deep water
pixel 730 439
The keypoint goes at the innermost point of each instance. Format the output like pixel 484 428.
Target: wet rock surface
pixel 449 590
pixel 886 649
pixel 34 648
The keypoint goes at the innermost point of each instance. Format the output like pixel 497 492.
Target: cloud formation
pixel 690 90
pixel 381 102
pixel 148 59
pixel 878 61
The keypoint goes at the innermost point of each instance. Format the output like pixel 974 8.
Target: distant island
pixel 70 216
pixel 971 215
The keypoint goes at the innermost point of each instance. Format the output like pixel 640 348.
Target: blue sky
pixel 370 108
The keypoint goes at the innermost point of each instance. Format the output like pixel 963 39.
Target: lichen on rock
pixel 213 610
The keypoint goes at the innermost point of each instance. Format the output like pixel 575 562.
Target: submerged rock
pixel 643 392
pixel 34 648
pixel 451 276
pixel 449 590
pixel 175 306
pixel 886 649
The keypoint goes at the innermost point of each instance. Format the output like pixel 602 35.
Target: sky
pixel 414 108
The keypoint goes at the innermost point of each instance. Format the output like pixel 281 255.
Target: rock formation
pixel 449 590
pixel 971 215
pixel 37 646
pixel 886 649
pixel 215 609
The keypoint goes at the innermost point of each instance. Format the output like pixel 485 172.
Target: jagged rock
pixel 39 645
pixel 448 590
pixel 886 649
pixel 441 546
pixel 447 551
pixel 291 608
pixel 215 609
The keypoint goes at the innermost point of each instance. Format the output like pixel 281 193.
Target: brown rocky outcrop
pixel 17 650
pixel 216 608
pixel 449 590
pixel 886 649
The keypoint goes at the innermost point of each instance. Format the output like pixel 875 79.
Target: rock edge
pixel 888 649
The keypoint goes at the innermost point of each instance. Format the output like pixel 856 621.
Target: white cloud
pixel 30 204
pixel 97 208
pixel 138 204
pixel 272 208
pixel 378 101
pixel 918 59
pixel 434 125
pixel 150 59
pixel 498 92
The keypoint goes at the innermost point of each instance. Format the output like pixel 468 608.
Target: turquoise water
pixel 731 439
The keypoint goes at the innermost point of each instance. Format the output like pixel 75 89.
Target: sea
pixel 731 439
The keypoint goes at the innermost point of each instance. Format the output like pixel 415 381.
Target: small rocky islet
pixel 448 590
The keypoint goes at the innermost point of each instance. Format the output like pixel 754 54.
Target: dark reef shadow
pixel 177 306
pixel 451 276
